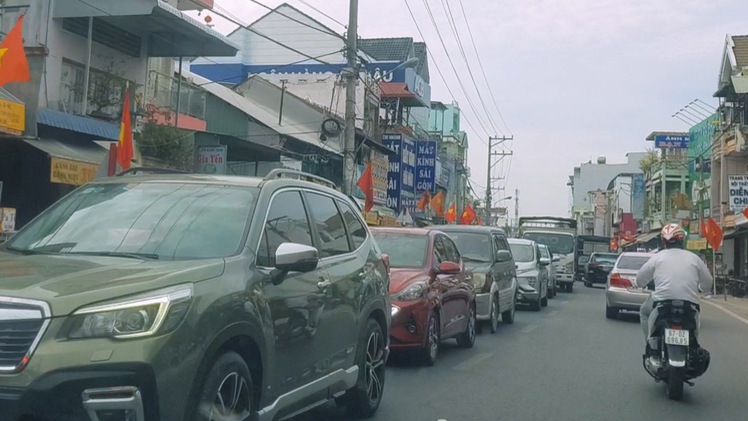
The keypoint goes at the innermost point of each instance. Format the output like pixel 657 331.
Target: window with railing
pixel 165 90
pixel 105 91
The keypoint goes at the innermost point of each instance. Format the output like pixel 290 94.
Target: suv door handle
pixel 324 283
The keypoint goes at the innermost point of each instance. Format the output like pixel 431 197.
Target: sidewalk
pixel 737 306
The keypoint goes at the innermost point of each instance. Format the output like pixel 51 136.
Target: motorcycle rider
pixel 677 274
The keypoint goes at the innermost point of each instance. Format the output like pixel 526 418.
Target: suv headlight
pixel 411 293
pixel 530 280
pixel 158 312
pixel 479 281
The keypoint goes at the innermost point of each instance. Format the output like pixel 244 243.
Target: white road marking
pixel 735 316
pixel 553 313
pixel 474 361
pixel 528 329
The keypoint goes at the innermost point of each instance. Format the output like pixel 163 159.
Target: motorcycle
pixel 673 354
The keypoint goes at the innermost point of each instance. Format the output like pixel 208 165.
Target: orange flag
pixel 14 67
pixel 366 184
pixel 124 148
pixel 425 200
pixel 451 215
pixel 437 203
pixel 714 234
pixel 468 215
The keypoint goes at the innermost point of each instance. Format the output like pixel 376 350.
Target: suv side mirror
pixel 503 256
pixel 293 257
pixel 448 268
pixel 544 261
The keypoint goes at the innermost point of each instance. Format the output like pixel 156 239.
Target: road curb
pixel 727 311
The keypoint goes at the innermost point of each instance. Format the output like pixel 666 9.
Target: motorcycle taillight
pixel 676 327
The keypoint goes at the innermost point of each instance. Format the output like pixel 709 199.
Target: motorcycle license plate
pixel 676 337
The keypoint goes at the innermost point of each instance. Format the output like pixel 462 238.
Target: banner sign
pixel 401 171
pixel 671 142
pixel 425 166
pixel 738 192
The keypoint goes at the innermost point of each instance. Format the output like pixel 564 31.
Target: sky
pixel 572 79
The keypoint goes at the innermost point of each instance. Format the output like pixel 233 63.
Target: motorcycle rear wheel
pixel 676 378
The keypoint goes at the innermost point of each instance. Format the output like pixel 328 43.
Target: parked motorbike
pixel 678 358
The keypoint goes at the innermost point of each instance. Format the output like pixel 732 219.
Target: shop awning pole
pixel 87 78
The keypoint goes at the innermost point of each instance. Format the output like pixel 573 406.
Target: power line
pixel 453 25
pixel 304 2
pixel 480 63
pixel 323 30
pixel 454 69
pixel 438 69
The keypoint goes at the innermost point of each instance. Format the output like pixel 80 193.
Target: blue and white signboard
pixel 671 142
pixel 401 171
pixel 425 166
pixel 638 196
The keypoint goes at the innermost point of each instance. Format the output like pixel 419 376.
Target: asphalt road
pixel 567 362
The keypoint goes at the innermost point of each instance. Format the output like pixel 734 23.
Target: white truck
pixel 559 234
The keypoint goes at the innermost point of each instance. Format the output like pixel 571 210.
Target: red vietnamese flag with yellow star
pixel 451 215
pixel 124 148
pixel 437 203
pixel 468 215
pixel 14 67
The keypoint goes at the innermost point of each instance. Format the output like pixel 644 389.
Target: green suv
pixel 188 297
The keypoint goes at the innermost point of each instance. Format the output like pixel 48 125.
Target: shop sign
pixel 401 171
pixel 379 164
pixel 210 159
pixel 425 166
pixel 12 117
pixel 699 244
pixel 671 142
pixel 738 193
pixel 74 173
pixel 7 219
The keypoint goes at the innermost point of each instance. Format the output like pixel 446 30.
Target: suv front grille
pixel 22 323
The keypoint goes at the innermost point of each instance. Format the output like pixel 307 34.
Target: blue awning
pixel 90 126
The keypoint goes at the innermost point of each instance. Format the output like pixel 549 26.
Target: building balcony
pixel 166 99
pixel 150 27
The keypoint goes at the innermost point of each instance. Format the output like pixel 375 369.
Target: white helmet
pixel 672 232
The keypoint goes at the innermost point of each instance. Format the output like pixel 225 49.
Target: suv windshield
pixel 522 252
pixel 154 220
pixel 474 247
pixel 404 250
pixel 557 243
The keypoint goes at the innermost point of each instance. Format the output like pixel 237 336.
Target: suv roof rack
pixel 151 170
pixel 299 175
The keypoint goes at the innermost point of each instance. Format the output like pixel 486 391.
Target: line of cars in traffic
pixel 157 295
pixel 450 281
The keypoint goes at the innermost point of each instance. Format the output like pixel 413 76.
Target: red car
pixel 431 290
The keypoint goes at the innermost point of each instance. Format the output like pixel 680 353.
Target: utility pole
pixel 349 148
pixel 516 208
pixel 663 179
pixel 494 157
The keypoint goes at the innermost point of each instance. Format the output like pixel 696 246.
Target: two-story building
pixel 729 180
pixel 83 55
pixel 306 59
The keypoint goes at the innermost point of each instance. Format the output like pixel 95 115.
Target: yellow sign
pixel 372 218
pixel 65 171
pixel 12 117
pixel 699 244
